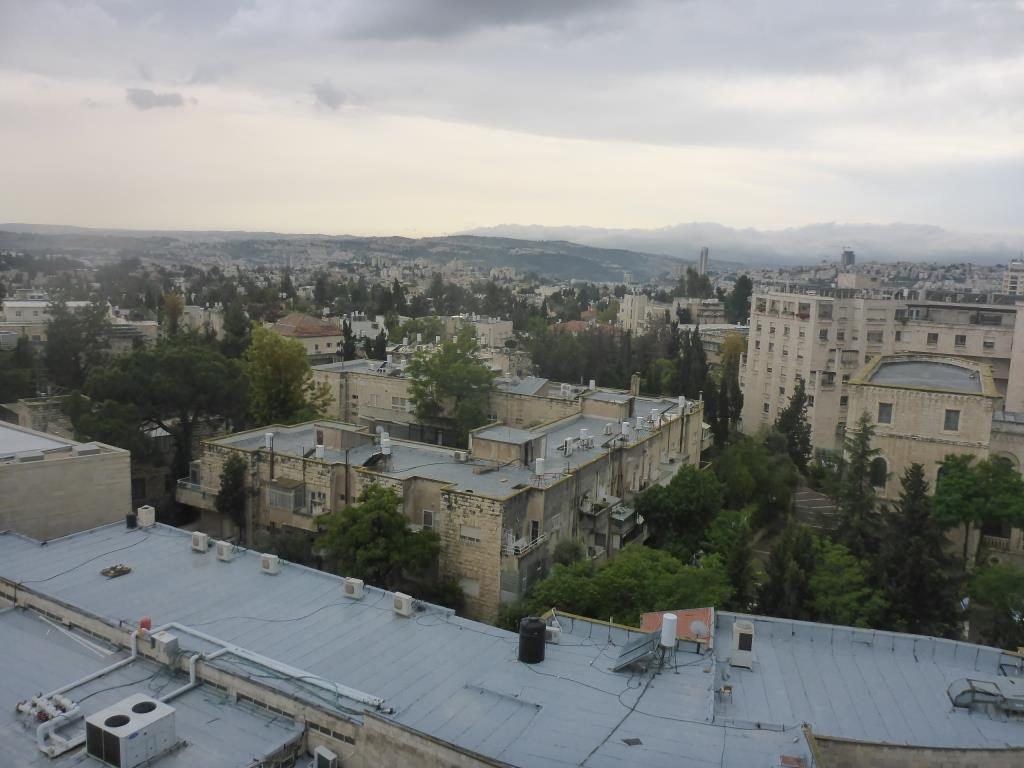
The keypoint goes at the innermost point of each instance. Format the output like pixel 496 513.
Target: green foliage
pixel 677 514
pixel 786 592
pixel 913 565
pixel 231 498
pixel 453 383
pixel 637 581
pixel 841 590
pixel 972 494
pixel 371 540
pixel 693 365
pixel 174 307
pixel 282 390
pixel 737 303
pixel 694 285
pixel 173 386
pixel 729 537
pixel 17 372
pixel 76 342
pixel 792 422
pixel 430 327
pixel 293 546
pixel 753 473
pixel 236 330
pixel 568 551
pixel 858 523
pixel 998 591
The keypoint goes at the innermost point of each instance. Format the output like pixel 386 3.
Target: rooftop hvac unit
pixel 353 588
pixel 147 516
pixel 135 731
pixel 270 564
pixel 402 604
pixel 225 551
pixel 552 634
pixel 609 428
pixel 324 758
pixel 742 645
pixel 200 541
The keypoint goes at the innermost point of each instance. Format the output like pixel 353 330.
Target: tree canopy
pixel 858 525
pixel 792 422
pixel 282 390
pixel 231 497
pixel 678 513
pixel 76 342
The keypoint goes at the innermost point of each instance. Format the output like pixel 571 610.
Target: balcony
pixel 522 547
pixel 194 495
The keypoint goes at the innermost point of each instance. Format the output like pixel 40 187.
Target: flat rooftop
pixel 18 442
pixel 927 374
pixel 40 655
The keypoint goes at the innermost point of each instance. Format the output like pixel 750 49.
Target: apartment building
pixel 1013 278
pixel 824 338
pixel 320 338
pixel 51 486
pixel 499 506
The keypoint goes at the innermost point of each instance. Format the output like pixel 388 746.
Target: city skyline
pixel 418 119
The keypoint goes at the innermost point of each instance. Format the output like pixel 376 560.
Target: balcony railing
pixel 523 546
pixel 195 495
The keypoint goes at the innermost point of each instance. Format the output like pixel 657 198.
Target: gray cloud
pixel 144 98
pixel 210 72
pixel 329 96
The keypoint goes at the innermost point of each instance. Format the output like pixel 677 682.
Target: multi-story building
pixel 51 486
pixel 823 338
pixel 320 338
pixel 499 506
pixel 1013 278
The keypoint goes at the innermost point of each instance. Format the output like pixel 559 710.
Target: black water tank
pixel 531 640
pixel 131 520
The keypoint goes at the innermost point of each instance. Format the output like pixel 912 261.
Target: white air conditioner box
pixel 135 731
pixel 225 551
pixel 353 588
pixel 270 564
pixel 553 634
pixel 402 604
pixel 147 516
pixel 165 646
pixel 742 645
pixel 324 758
pixel 200 542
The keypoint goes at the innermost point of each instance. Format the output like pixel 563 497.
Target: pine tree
pixel 792 422
pixel 858 524
pixel 787 593
pixel 913 565
pixel 348 343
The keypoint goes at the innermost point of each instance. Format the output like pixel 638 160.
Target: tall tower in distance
pixel 702 264
pixel 848 259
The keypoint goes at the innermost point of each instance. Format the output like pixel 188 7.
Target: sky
pixel 417 117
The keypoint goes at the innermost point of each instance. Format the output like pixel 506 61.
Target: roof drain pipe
pixel 59 745
pixel 192 681
pixel 337 689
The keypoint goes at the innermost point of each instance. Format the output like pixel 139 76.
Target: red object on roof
pixel 688 620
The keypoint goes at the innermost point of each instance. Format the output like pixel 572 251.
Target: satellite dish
pixel 698 629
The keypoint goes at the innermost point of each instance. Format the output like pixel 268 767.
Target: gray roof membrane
pixel 460 681
pixel 927 374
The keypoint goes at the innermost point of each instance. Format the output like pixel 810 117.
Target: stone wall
pixel 843 753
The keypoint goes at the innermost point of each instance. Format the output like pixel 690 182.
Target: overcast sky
pixel 431 116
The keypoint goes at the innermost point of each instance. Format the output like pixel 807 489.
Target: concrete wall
pixel 65 494
pixel 841 753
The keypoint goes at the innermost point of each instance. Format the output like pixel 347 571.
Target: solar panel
pixel 636 650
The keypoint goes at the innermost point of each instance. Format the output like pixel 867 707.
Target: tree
pixel 236 330
pixel 231 498
pixel 451 380
pixel 282 390
pixel 174 307
pixel 677 514
pixel 733 348
pixel 792 422
pixel 970 494
pixel 174 386
pixel 17 372
pixel 998 591
pixel 379 348
pixel 841 590
pixel 568 551
pixel 729 536
pixel 786 592
pixel 913 566
pixel 737 303
pixel 371 540
pixel 752 473
pixel 76 342
pixel 857 516
pixel 348 341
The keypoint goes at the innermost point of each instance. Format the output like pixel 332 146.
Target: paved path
pixel 815 510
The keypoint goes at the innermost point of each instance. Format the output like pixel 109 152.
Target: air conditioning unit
pixel 225 551
pixel 461 456
pixel 353 588
pixel 553 634
pixel 609 428
pixel 742 645
pixel 135 731
pixel 270 564
pixel 147 516
pixel 200 541
pixel 402 604
pixel 324 758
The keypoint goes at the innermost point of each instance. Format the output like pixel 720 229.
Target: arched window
pixel 878 472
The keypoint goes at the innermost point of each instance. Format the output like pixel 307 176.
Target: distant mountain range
pixel 800 245
pixel 553 259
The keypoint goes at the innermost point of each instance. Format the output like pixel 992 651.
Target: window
pixel 469 533
pixel 764 407
pixel 785 330
pixel 823 334
pixel 534 530
pixel 846 378
pixel 769 369
pixel 899 335
pixel 428 518
pixel 782 390
pixel 802 333
pixel 771 346
pixel 960 340
pixel 785 352
pixel 843 401
pixel 988 344
pixel 933 339
pixel 757 344
pixel 952 421
pixel 398 403
pixel 810 401
pixel 874 337
pixel 878 472
pixel 840 335
pixel 885 413
pixel 286 496
pixel 374 401
pixel 771 329
pixel 758 327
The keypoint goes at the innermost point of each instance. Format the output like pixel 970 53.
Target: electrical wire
pixel 86 562
pixel 116 687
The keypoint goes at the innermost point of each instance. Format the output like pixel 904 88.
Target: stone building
pixel 320 338
pixel 499 507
